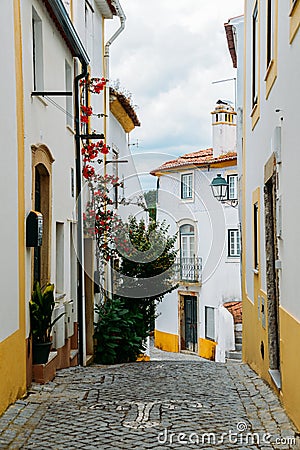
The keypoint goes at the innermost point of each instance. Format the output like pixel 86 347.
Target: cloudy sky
pixel 168 57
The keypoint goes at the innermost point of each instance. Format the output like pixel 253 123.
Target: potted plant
pixel 41 308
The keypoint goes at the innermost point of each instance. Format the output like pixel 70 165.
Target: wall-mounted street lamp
pixel 219 187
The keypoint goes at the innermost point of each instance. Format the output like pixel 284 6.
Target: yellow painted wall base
pixel 207 349
pixel 254 336
pixel 290 365
pixel 12 370
pixel 166 341
pixel 143 358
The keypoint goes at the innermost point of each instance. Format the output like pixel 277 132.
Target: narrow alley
pixel 173 401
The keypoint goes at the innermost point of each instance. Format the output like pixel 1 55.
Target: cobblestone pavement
pixel 186 404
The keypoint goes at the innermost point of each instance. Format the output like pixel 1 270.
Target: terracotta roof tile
pixel 201 157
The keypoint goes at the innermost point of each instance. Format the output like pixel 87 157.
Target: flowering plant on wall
pixel 90 150
pixel 100 220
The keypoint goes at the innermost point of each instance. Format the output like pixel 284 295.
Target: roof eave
pixel 231 43
pixel 66 28
pixel 106 8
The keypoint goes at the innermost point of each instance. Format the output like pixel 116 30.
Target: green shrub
pixel 116 337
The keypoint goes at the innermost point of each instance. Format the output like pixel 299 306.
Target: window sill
pixel 233 259
pixel 41 99
pixel 187 200
pixel 69 128
pixel 59 296
pixel 275 375
pixel 270 77
pixel 293 8
pixel 255 113
pixel 294 20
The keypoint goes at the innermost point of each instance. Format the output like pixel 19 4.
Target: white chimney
pixel 223 128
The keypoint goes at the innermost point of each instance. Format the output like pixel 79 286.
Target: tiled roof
pixel 111 6
pixel 236 309
pixel 199 158
pixel 231 44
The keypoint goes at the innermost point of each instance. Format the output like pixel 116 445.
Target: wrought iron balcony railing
pixel 189 269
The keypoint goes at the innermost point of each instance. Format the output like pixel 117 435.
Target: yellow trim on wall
pixel 294 19
pixel 207 348
pixel 256 200
pixel 290 364
pixel 271 73
pixel 166 341
pixel 13 349
pixel 255 114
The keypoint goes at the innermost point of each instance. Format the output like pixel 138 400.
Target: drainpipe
pixel 80 254
pixel 122 17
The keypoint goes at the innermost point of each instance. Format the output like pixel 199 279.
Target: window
pixel 209 323
pixel 37 52
pixel 270 31
pixel 294 19
pixel 255 235
pixel 60 257
pixel 72 182
pixel 232 187
pixel 116 174
pixel 234 246
pixel 255 51
pixel 187 186
pixel 68 83
pixel 187 242
pixel 187 252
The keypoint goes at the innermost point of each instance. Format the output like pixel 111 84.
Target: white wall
pixel 126 171
pixel 46 124
pixel 9 257
pixel 221 274
pixel 284 96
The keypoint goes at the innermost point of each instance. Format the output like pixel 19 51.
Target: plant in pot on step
pixel 41 308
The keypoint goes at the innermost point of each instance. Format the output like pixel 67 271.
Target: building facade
pixel 270 184
pixel 13 301
pixel 50 46
pixel 193 317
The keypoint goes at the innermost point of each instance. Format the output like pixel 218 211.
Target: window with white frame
pixel 234 247
pixel 270 31
pixel 232 187
pixel 69 101
pixel 187 186
pixel 255 50
pixel 209 323
pixel 37 52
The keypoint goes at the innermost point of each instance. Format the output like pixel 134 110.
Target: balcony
pixel 189 270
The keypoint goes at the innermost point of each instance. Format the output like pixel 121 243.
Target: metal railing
pixel 189 269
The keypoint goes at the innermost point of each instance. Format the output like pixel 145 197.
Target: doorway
pixel 189 335
pixel 42 204
pixel 272 276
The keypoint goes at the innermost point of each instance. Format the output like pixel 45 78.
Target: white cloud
pixel 168 56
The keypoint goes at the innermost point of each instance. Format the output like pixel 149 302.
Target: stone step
pixel 238 346
pixel 234 355
pixel 238 338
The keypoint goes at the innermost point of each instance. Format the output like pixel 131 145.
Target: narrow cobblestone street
pixel 174 401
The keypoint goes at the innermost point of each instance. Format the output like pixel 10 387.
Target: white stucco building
pixel 193 316
pixel 270 186
pixel 50 46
